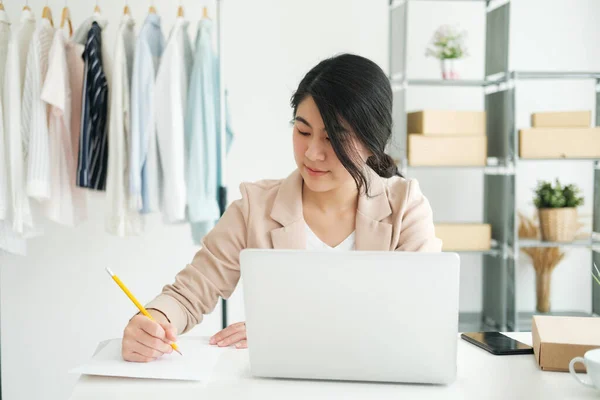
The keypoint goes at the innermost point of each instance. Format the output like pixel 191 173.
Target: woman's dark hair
pixel 353 89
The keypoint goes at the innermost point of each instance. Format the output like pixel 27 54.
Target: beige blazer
pixel 396 216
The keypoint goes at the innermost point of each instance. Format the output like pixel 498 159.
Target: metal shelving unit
pixel 499 311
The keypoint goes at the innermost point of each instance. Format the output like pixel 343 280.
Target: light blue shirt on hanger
pixel 203 135
pixel 144 164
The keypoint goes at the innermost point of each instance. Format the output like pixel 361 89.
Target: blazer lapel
pixel 292 236
pixel 287 210
pixel 372 233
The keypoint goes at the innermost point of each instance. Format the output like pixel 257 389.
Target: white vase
pixel 449 68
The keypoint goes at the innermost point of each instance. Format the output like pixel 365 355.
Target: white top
pixel 4 165
pixel 121 220
pixel 171 99
pixel 145 175
pixel 314 243
pixel 3 169
pixel 4 39
pixel 9 240
pixel 34 113
pixel 481 375
pixel 14 78
pixel 67 202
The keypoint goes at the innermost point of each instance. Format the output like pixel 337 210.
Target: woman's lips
pixel 315 172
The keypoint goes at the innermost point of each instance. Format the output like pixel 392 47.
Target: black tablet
pixel 497 343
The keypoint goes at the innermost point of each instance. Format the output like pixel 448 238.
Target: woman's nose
pixel 315 151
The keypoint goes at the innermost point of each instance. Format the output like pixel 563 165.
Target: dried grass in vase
pixel 544 260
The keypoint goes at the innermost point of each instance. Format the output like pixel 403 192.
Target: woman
pixel 346 194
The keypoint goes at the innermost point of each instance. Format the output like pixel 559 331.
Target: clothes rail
pixel 223 136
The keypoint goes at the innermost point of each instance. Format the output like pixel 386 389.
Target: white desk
pixel 481 375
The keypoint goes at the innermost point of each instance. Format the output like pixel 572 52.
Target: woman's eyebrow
pixel 305 122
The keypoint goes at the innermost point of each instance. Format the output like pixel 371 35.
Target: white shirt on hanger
pixel 67 202
pixel 145 174
pixel 9 240
pixel 34 113
pixel 314 243
pixel 4 185
pixel 14 78
pixel 4 165
pixel 121 220
pixel 170 102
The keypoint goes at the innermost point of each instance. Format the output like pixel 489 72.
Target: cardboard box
pixel 464 237
pixel 559 143
pixel 557 340
pixel 442 122
pixel 564 119
pixel 447 150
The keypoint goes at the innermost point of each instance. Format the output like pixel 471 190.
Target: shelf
pixel 555 75
pixel 492 166
pixel 491 252
pixel 446 166
pixel 584 243
pixel 396 3
pixel 449 82
pixel 516 75
pixel 558 159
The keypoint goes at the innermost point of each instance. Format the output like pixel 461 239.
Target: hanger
pixel 26 7
pixel 205 13
pixel 126 10
pixel 66 17
pixel 47 13
pixel 152 9
pixel 3 15
pixel 180 10
pixel 97 8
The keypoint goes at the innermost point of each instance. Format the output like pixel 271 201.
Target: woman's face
pixel 318 164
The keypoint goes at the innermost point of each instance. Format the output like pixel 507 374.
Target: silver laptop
pixel 360 315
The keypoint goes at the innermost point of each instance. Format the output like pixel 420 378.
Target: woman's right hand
pixel 145 340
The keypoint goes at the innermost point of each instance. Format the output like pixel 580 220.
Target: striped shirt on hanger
pixel 93 145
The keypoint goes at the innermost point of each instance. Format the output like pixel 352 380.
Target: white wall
pixel 57 303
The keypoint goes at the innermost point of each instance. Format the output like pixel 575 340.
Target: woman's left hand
pixel 234 334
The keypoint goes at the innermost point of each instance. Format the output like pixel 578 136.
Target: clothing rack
pixel 222 124
pixel 223 137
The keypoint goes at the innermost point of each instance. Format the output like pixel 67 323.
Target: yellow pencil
pixel 137 303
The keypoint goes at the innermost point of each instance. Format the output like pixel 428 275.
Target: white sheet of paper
pixel 196 364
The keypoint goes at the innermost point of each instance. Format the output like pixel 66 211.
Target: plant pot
pixel 449 68
pixel 542 288
pixel 558 224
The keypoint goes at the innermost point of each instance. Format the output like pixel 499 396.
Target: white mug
pixel 591 360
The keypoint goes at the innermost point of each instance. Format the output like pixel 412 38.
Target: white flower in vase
pixel 448 45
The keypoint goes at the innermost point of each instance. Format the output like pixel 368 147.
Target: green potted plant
pixel 447 45
pixel 557 208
